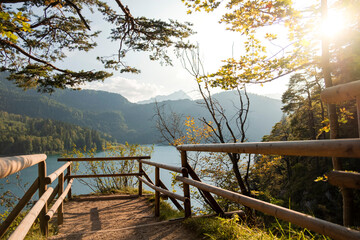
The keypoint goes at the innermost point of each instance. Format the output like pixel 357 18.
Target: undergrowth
pixel 225 229
pixel 166 210
pixel 34 232
pixel 233 228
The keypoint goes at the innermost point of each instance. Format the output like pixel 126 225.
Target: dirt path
pixel 116 217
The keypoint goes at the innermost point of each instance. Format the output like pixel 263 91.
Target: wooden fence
pixel 324 148
pixel 345 148
pixel 11 165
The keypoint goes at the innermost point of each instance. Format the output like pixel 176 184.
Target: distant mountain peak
pixel 178 95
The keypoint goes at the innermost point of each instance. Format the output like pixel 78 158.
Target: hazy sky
pixel 215 44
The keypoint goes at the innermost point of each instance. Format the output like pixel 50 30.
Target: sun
pixel 334 24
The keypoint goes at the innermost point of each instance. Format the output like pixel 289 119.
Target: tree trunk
pixel 334 126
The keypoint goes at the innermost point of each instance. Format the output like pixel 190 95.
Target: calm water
pixel 162 154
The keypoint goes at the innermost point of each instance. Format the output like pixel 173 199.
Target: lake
pixel 162 154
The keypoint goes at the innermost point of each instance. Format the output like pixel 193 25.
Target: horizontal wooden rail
pixel 25 225
pixel 320 148
pixel 103 158
pixel 49 179
pixel 104 175
pixel 166 192
pixel 164 166
pixel 344 179
pixel 53 195
pixel 320 226
pixel 56 205
pixel 340 93
pixel 173 200
pixel 11 165
pixel 17 209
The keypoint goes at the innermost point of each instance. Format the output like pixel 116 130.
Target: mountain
pixel 178 95
pixel 114 115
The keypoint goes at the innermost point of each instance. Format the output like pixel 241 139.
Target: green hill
pixel 114 115
pixel 20 134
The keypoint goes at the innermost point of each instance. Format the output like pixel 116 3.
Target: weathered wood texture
pixel 62 195
pixel 25 225
pixel 164 166
pixel 341 93
pixel 157 193
pixel 139 182
pixel 209 199
pixel 53 195
pixel 11 165
pixel 49 179
pixel 44 226
pixel 320 226
pixel 166 192
pixel 174 201
pixel 68 174
pixel 102 159
pixel 58 202
pixel 358 113
pixel 104 175
pixel 344 179
pixel 187 204
pixel 17 209
pixel 320 148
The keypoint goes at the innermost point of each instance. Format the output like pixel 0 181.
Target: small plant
pixel 166 211
pixel 225 229
pixel 110 184
pixel 34 232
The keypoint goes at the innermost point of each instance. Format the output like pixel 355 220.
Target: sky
pixel 215 44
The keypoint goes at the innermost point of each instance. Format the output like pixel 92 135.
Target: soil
pixel 117 217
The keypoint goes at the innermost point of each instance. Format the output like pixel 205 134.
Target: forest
pixel 315 44
pixel 24 135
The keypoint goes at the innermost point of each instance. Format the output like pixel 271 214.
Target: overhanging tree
pixel 35 34
pixel 308 47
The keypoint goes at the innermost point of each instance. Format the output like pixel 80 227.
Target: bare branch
pixel 79 13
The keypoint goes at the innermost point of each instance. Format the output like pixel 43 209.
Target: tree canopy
pixel 305 26
pixel 35 34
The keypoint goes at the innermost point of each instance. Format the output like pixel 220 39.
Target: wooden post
pixel 68 180
pixel 157 193
pixel 42 189
pixel 187 204
pixel 358 112
pixel 60 210
pixel 140 183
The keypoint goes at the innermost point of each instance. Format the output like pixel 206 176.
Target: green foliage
pixel 301 23
pixel 225 229
pixel 303 179
pixel 24 135
pixel 114 115
pixel 110 184
pixel 36 35
pixel 166 210
pixel 34 232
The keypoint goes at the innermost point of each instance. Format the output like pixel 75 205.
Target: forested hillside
pixel 113 114
pixel 23 135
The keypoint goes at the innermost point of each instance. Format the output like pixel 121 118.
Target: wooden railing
pixel 11 165
pixel 139 158
pixel 342 148
pixel 346 148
